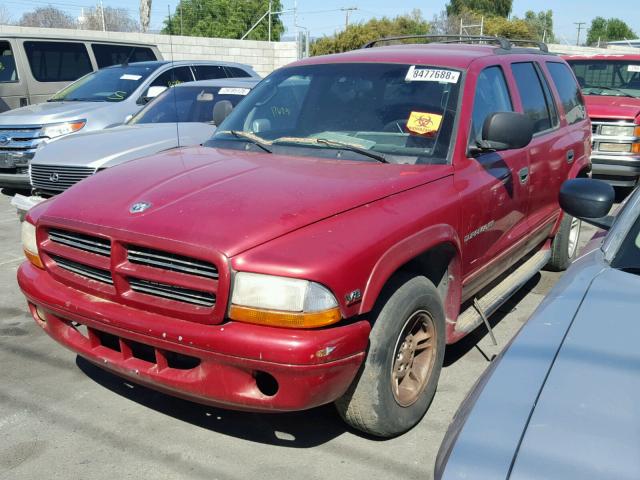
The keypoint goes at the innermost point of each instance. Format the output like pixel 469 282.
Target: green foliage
pixel 500 8
pixel 501 27
pixel 358 34
pixel 604 30
pixel 541 25
pixel 224 19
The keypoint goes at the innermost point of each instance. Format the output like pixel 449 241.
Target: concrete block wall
pixel 264 57
pixel 579 50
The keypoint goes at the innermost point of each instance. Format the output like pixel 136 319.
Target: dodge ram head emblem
pixel 4 139
pixel 139 207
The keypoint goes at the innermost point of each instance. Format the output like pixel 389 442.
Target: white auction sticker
pixel 233 91
pixel 128 76
pixel 431 75
pixel 633 68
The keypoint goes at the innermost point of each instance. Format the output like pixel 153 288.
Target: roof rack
pixel 504 43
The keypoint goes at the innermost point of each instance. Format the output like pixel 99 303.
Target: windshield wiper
pixel 613 89
pixel 335 144
pixel 354 148
pixel 256 140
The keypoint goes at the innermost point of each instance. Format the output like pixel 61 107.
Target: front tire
pixel 564 247
pixel 398 379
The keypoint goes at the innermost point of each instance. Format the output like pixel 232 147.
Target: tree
pixel 356 35
pixel 603 30
pixel 515 28
pixel 115 20
pixel 145 14
pixel 495 25
pixel 47 17
pixel 541 24
pixel 225 19
pixel 500 8
pixel 5 16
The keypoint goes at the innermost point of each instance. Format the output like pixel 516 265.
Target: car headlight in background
pixel 30 245
pixel 619 130
pixel 57 129
pixel 282 302
pixel 615 147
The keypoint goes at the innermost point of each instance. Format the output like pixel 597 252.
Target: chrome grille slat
pixel 172 292
pixel 173 262
pixel 67 176
pixel 81 242
pixel 97 274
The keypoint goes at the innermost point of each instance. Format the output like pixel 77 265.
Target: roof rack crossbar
pixel 504 43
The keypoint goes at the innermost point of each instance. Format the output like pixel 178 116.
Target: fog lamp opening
pixel 266 383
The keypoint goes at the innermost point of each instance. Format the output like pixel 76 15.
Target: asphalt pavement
pixel 63 418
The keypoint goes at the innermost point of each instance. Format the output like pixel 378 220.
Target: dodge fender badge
pixel 139 207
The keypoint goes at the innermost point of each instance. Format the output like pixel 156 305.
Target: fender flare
pixel 408 249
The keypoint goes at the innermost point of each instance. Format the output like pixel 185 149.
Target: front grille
pixel 187 295
pixel 594 128
pixel 170 261
pixel 21 139
pixel 88 243
pixel 96 274
pixel 57 178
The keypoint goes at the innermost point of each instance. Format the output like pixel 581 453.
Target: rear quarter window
pixel 107 55
pixel 235 72
pixel 569 92
pixel 57 61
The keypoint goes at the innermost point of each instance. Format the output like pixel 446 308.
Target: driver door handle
pixel 524 175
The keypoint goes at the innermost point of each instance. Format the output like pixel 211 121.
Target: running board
pixel 494 298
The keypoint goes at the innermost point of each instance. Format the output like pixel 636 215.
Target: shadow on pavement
pixel 304 429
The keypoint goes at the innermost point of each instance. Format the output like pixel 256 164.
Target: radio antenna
pixel 172 87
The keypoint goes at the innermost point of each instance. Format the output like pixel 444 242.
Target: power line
pixel 347 11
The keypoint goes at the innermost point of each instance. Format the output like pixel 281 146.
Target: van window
pixel 532 95
pixel 569 92
pixel 236 72
pixel 209 72
pixel 57 61
pixel 107 55
pixel 492 95
pixel 8 71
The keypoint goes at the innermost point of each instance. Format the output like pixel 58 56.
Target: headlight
pixel 616 131
pixel 57 129
pixel 282 302
pixel 30 245
pixel 615 147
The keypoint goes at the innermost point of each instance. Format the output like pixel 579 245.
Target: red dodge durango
pixel 352 216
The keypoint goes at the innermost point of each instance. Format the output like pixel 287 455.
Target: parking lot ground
pixel 63 418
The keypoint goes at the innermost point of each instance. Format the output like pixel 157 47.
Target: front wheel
pixel 564 247
pixel 398 379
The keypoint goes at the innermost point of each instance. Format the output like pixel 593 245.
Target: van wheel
pixel 564 247
pixel 398 379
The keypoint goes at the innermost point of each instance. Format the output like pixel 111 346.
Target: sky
pixel 326 17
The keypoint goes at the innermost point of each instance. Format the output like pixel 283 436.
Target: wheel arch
pixel 433 252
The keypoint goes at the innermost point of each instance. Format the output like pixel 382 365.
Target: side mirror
pixel 153 92
pixel 506 131
pixel 221 110
pixel 589 200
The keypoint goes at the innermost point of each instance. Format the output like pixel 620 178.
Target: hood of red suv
pixel 600 106
pixel 230 200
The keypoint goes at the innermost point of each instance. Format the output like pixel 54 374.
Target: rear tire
pixel 564 247
pixel 398 379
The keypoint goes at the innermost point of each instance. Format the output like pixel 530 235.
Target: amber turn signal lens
pixel 275 318
pixel 636 132
pixel 635 148
pixel 34 258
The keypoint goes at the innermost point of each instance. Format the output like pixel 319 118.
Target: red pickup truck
pixel 349 218
pixel 611 85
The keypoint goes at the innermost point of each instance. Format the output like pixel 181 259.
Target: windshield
pixel 619 78
pixel 188 104
pixel 371 112
pixel 112 84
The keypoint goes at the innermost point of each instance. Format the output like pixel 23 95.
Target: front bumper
pixel 15 180
pixel 618 170
pixel 220 365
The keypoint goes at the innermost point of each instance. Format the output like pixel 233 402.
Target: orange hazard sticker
pixel 424 123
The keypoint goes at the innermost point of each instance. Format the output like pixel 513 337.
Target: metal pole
pixel 579 24
pixel 104 27
pixel 270 8
pixel 180 4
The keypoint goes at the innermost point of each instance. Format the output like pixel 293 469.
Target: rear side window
pixel 492 95
pixel 534 101
pixel 8 72
pixel 236 72
pixel 57 61
pixel 107 55
pixel 209 72
pixel 569 92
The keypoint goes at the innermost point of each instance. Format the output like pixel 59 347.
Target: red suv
pixel 352 216
pixel 611 85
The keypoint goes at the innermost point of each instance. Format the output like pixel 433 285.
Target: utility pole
pixel 270 10
pixel 104 27
pixel 347 11
pixel 180 5
pixel 579 25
